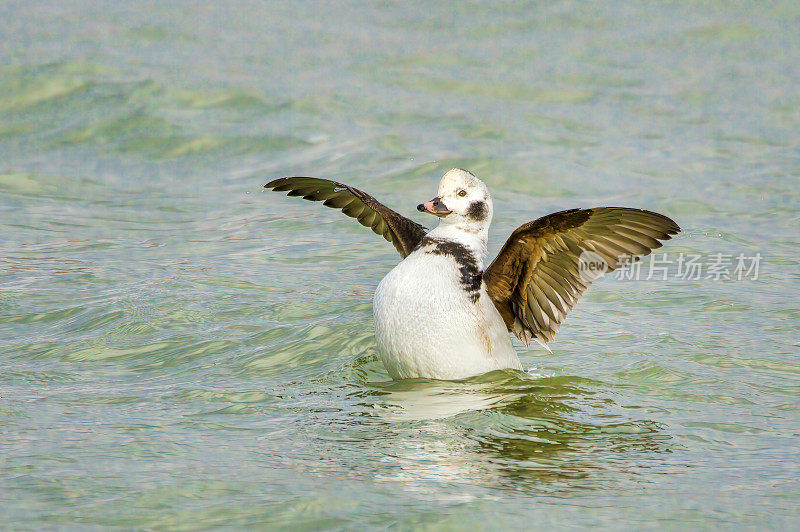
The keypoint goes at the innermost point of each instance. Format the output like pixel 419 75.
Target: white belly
pixel 427 326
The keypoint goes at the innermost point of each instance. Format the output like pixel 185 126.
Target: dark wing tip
pixel 672 228
pixel 282 184
pixel 275 182
pixel 669 226
pixel 278 182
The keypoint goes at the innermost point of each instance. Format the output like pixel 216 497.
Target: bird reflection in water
pixel 505 429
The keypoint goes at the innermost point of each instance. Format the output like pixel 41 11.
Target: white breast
pixel 427 324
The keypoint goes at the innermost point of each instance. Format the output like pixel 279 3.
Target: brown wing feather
pixel 403 233
pixel 535 280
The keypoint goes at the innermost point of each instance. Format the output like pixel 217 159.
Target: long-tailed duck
pixel 439 313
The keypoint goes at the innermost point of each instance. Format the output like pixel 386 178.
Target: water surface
pixel 181 349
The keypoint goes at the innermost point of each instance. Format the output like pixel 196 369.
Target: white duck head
pixel 463 201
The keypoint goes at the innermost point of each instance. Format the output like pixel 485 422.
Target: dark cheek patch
pixel 477 210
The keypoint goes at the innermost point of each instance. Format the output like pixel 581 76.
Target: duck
pixel 441 313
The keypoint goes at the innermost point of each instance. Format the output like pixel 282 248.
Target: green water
pixel 183 350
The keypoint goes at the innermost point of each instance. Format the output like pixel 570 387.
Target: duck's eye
pixel 461 193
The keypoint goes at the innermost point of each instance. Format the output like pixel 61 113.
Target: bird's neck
pixel 475 240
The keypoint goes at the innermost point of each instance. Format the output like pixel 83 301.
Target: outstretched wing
pixel 536 278
pixel 403 233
